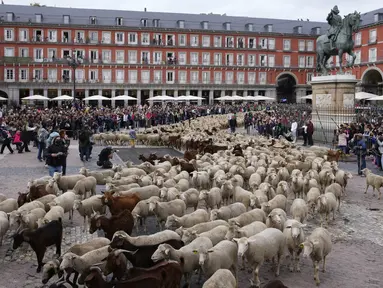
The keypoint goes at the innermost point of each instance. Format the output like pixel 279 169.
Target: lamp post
pixel 74 63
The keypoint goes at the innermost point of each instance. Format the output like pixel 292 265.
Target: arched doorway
pixel 286 83
pixel 3 94
pixel 372 81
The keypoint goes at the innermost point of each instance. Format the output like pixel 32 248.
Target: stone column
pixel 151 94
pixel 187 94
pixel 126 92
pixel 244 93
pixel 333 104
pixel 234 92
pixel 113 101
pixel 86 95
pixel 163 91
pixel 300 92
pixel 199 95
pixel 211 97
pixel 175 93
pixel 45 95
pixel 31 91
pixel 138 97
pixel 272 93
pixel 99 101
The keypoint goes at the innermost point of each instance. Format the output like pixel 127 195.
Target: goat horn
pixel 125 251
pixel 94 268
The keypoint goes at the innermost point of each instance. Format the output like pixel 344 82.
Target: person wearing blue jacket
pixel 360 150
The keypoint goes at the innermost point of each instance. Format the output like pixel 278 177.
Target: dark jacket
pixel 84 138
pixel 55 148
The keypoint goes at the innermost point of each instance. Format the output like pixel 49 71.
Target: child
pixel 133 136
pixel 17 141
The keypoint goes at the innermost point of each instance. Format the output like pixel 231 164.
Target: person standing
pixel 84 143
pixel 66 142
pixel 7 140
pixel 133 137
pixel 304 134
pixel 310 132
pixel 360 150
pixel 55 156
pixel 294 128
pixel 42 136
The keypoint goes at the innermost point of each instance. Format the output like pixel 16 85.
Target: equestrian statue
pixel 338 39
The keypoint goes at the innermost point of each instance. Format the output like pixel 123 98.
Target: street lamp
pixel 74 63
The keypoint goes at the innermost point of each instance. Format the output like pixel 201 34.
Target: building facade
pixel 144 54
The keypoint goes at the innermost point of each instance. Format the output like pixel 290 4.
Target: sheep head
pixel 243 245
pixel 162 252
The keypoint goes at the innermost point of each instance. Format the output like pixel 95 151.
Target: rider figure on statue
pixel 335 21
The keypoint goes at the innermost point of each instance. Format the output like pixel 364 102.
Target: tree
pixel 37 4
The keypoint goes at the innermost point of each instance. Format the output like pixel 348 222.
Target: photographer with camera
pixel 56 156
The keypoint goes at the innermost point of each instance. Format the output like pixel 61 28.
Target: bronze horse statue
pixel 343 44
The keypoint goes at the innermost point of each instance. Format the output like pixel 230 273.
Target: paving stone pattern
pixel 357 233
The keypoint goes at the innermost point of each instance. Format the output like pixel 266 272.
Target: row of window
pixel 169 58
pixel 133 38
pixel 372 37
pixel 134 76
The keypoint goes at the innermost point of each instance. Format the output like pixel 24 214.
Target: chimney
pixel 144 9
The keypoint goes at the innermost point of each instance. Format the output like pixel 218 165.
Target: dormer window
pixel 227 26
pixel 144 22
pixel 66 19
pixel 119 21
pixel 10 16
pixel 39 18
pixel 298 29
pixel 156 23
pixel 378 17
pixel 205 25
pixel 250 27
pixel 93 20
pixel 181 24
pixel 316 31
pixel 269 28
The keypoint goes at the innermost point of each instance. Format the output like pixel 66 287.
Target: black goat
pixel 40 239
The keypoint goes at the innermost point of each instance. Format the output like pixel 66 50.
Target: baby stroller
pixel 104 158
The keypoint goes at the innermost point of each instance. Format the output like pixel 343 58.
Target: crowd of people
pixel 50 129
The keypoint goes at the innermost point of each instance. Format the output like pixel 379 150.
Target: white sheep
pixel 40 181
pixel 169 194
pixel 297 183
pixel 283 188
pixel 81 263
pixel 188 220
pixel 199 228
pixel 326 203
pixel 46 199
pixel 16 216
pixel 66 201
pixel 212 198
pixel 283 174
pixel 311 198
pixel 29 220
pixel 54 213
pixel 144 180
pixel 276 219
pixel 249 217
pixel 144 192
pixel 85 185
pixel 227 212
pixel 254 181
pixel 145 240
pixel 227 191
pixel 100 177
pixel 337 190
pixel 164 209
pixel 132 171
pixel 182 175
pixel 185 255
pixel 221 256
pixel 4 225
pixel 109 187
pixel 318 245
pixel 169 183
pixel 266 245
pixel 243 196
pixel 376 181
pixel 141 211
pixel 234 231
pixel 293 231
pixel 258 198
pixel 216 235
pixel 66 183
pixel 9 205
pixel 299 210
pixel 2 197
pixel 222 278
pixel 201 179
pixel 267 189
pixel 52 187
pixel 190 197
pixel 279 201
pixel 89 206
pixel 183 185
pixel 326 178
pixel 341 177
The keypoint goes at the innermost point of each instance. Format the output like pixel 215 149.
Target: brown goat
pixel 36 192
pixel 23 198
pixel 275 284
pixel 188 167
pixel 123 221
pixel 190 155
pixel 117 204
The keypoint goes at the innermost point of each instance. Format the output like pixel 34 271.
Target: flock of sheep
pixel 249 204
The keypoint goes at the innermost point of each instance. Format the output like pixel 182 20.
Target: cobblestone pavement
pixel 355 260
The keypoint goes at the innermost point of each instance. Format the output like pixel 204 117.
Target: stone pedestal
pixel 333 104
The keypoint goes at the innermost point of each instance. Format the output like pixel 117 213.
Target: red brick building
pixel 145 54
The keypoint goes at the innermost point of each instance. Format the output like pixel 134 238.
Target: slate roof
pixel 80 16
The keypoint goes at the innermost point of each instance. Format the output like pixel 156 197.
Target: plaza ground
pixel 357 232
